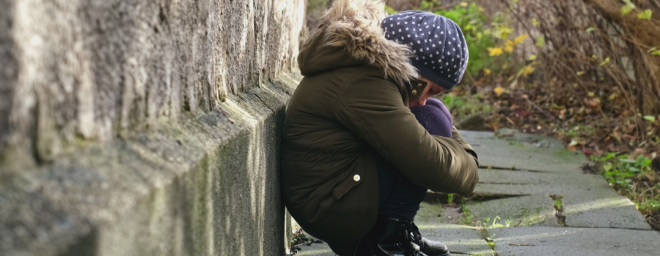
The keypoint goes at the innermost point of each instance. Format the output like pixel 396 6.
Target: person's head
pixel 439 51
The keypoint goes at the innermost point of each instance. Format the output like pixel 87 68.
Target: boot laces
pixel 411 239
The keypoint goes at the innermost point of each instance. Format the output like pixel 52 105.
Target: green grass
pixel 466 219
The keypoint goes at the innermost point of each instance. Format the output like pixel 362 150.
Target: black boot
pixel 428 247
pixel 395 238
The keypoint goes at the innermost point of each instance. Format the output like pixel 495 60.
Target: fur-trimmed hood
pixel 350 35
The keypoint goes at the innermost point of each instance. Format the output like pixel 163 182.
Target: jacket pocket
pixel 348 184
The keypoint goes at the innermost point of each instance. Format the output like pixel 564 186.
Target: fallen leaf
pixel 498 90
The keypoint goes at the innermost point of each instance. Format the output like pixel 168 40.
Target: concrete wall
pixel 134 127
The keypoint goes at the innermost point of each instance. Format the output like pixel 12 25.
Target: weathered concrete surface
pixel 77 70
pixel 144 127
pixel 543 241
pixel 587 200
pixel 521 155
pixel 602 209
pixel 533 210
pixel 206 186
pixel 578 179
pixel 458 238
pixel 315 250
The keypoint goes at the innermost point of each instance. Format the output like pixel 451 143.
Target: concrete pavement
pixel 530 177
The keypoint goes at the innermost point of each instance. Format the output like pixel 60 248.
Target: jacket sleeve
pixel 373 109
pixel 467 147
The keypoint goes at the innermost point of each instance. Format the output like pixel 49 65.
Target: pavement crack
pixel 442 198
pixel 513 168
pixel 559 210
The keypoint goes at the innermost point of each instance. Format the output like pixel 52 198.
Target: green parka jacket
pixel 346 110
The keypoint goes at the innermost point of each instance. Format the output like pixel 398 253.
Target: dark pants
pixel 398 197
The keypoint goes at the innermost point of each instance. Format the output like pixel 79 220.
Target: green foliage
pixel 472 21
pixel 540 41
pixel 620 170
pixel 627 8
pixel 389 10
pixel 649 205
pixel 450 198
pixel 557 203
pixel 461 107
pixel 466 219
pixel 454 102
pixel 645 15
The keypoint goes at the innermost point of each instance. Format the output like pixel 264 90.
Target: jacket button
pixel 419 85
pixel 414 92
pixel 356 177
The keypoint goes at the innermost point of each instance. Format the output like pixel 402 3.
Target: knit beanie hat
pixel 439 50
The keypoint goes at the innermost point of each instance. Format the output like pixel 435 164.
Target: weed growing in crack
pixel 485 234
pixel 559 210
pixel 466 219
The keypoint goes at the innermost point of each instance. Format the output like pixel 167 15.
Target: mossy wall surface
pixel 144 127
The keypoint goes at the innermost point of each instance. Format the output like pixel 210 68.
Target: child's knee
pixel 436 120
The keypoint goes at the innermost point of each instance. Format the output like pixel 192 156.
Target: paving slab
pixel 602 209
pixel 583 206
pixel 495 176
pixel 500 153
pixel 315 250
pixel 528 189
pixel 533 210
pixel 458 238
pixel 511 135
pixel 437 214
pixel 541 241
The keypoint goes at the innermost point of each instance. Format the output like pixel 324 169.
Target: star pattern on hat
pixel 435 53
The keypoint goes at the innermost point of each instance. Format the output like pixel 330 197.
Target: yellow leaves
pixel 463 4
pixel 501 30
pixel 607 60
pixel 532 57
pixel 579 73
pixel 498 90
pixel 535 22
pixel 497 51
pixel 508 46
pixel 520 39
pixel 527 70
pixel 487 71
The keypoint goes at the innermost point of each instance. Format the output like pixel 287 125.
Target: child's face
pixel 430 90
